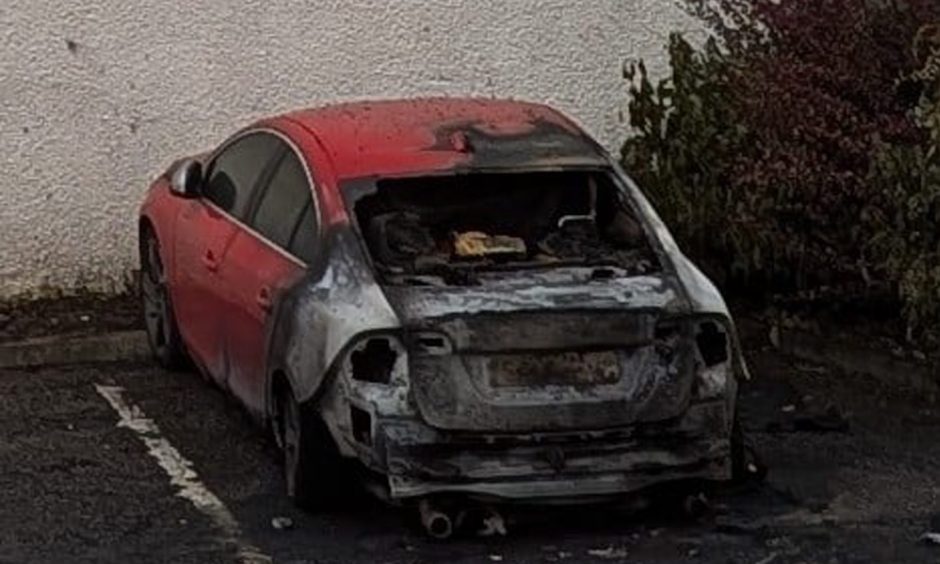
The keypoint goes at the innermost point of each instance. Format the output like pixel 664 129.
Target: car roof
pixel 402 137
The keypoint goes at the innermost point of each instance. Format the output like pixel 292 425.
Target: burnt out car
pixel 463 297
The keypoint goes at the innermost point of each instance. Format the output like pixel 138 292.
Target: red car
pixel 459 296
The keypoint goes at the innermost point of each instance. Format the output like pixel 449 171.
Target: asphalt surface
pixel 77 487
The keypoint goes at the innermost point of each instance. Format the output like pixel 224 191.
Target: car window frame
pixel 261 186
pixel 211 163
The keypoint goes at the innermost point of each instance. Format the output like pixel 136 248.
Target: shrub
pixel 688 135
pixel 907 227
pixel 771 149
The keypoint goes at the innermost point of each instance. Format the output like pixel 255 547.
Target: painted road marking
pixel 181 473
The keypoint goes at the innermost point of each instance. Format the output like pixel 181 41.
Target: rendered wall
pixel 98 96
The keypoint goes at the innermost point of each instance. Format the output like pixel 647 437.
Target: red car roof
pixel 398 137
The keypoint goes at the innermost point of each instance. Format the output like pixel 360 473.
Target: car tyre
pixel 312 465
pixel 163 333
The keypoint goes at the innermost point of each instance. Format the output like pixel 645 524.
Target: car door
pixel 204 231
pixel 264 260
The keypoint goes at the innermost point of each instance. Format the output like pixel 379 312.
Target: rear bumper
pixel 554 467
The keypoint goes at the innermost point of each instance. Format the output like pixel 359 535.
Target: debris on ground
pixel 282 523
pixel 690 546
pixel 807 415
pixel 774 336
pixel 931 538
pixel 831 419
pixel 493 524
pixel 812 369
pixel 770 558
pixel 555 554
pixel 933 535
pixel 609 553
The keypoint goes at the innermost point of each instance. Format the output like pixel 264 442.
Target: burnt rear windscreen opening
pixel 455 226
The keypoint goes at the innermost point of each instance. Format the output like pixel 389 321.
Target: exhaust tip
pixel 437 524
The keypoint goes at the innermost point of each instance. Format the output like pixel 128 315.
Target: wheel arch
pixel 144 225
pixel 281 380
pixel 147 224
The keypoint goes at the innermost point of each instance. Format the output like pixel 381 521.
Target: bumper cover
pixel 555 467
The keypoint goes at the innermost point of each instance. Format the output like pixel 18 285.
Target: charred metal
pixel 542 142
pixel 519 327
pixel 373 362
pixel 534 384
pixel 450 229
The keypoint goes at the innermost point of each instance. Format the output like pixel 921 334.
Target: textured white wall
pixel 98 96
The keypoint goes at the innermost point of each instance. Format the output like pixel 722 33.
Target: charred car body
pixel 467 297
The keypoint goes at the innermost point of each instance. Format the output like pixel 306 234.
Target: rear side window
pixel 284 204
pixel 304 242
pixel 237 169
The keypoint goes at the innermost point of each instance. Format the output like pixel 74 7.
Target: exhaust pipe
pixel 436 522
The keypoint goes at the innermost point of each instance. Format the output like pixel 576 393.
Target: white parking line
pixel 181 473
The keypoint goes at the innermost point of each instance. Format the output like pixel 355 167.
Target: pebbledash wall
pixel 97 97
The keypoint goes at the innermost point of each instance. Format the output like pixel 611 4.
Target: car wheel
pixel 162 332
pixel 312 465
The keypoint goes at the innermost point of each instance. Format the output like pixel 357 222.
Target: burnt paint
pixel 339 302
pixel 301 345
pixel 548 466
pixel 336 301
pixel 541 143
pixel 457 392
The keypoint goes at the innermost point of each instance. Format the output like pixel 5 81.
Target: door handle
pixel 209 260
pixel 264 298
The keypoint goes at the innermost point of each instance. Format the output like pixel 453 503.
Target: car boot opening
pixel 448 229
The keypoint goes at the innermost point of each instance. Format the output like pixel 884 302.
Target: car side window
pixel 284 204
pixel 236 170
pixel 303 243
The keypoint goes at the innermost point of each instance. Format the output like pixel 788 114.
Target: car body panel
pixel 337 301
pixel 466 418
pixel 251 278
pixel 393 138
pixel 203 237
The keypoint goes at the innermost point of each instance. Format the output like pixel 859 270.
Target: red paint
pixel 200 239
pixel 252 277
